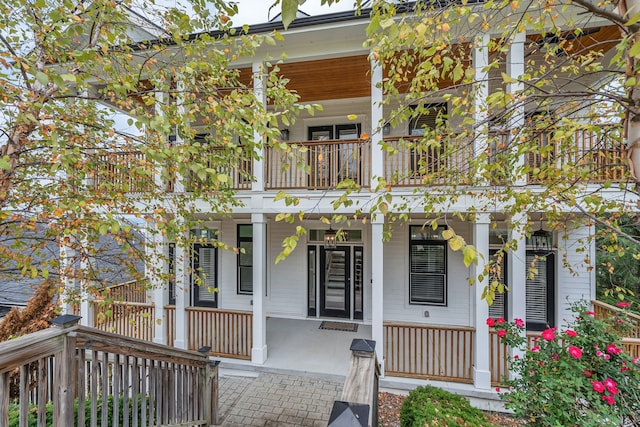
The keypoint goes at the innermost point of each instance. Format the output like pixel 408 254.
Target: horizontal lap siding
pixel 396 284
pixel 575 284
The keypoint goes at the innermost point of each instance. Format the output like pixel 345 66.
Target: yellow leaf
pixel 352 117
pixel 456 243
pixel 448 234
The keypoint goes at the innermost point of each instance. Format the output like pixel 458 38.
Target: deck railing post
pixel 65 372
pixel 210 393
pixel 358 404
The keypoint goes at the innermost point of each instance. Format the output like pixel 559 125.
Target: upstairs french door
pixel 332 162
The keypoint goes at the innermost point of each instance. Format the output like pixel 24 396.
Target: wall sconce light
pixel 541 240
pixel 284 134
pixel 330 238
pixel 386 129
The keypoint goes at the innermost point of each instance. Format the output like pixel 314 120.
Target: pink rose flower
pixel 548 334
pixel 499 320
pixel 502 333
pixel 599 353
pixel 571 333
pixel 606 357
pixel 611 386
pixel 498 389
pixel 597 386
pixel 608 399
pixel 591 313
pixel 519 323
pixel 613 349
pixel 490 322
pixel 535 349
pixel 574 351
pixel 623 304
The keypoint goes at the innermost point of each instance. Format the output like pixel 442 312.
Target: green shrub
pixel 431 406
pixel 14 412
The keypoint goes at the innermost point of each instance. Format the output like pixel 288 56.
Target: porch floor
pixel 300 346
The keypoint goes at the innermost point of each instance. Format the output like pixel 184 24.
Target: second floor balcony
pixel 332 164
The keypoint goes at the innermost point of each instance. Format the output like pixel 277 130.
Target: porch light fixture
pixel 541 240
pixel 284 134
pixel 386 129
pixel 330 238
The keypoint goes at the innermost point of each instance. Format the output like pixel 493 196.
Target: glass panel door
pixel 334 282
pixel 357 282
pixel 320 157
pixel 311 281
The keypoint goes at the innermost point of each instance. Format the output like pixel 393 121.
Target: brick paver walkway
pixel 271 400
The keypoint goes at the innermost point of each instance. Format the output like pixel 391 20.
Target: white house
pixel 410 294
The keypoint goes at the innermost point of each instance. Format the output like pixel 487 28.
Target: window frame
pixel 429 242
pixel 239 264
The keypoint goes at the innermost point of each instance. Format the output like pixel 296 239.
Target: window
pixel 540 291
pixel 204 278
pixel 426 159
pixel 245 259
pixel 498 271
pixel 332 163
pixel 427 266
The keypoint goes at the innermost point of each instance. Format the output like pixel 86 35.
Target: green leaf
pixel 635 49
pixel 42 78
pixel 289 11
pixel 470 255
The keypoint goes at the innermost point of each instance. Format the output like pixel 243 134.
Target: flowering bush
pixel 578 376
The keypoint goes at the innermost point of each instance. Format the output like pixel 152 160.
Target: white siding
pixel 396 284
pixel 228 297
pixel 575 281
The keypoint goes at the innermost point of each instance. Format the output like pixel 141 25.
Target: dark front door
pixel 335 287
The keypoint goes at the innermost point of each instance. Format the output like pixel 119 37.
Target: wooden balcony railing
pixel 131 319
pixel 323 165
pixel 318 165
pixel 430 352
pixel 73 375
pixel 228 333
pixel 499 355
pixel 132 291
pixel 114 172
pixel 603 311
pixel 407 163
pixel 239 172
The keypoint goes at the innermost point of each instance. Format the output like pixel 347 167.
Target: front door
pixel 204 265
pixel 334 272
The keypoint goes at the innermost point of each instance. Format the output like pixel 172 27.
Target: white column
pixel 157 273
pixel 480 63
pixel 67 278
pixel 515 70
pixel 517 273
pixel 377 290
pixel 179 184
pixel 259 84
pixel 183 292
pixel 259 350
pixel 377 121
pixel 481 357
pixel 157 173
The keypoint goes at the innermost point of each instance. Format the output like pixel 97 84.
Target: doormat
pixel 339 326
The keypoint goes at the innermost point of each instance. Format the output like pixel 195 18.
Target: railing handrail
pixel 329 142
pixel 28 348
pixel 125 303
pixel 215 310
pixel 430 326
pixel 615 309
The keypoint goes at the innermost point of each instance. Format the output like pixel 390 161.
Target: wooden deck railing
pixel 131 319
pixel 431 352
pixel 47 375
pixel 228 333
pixel 603 310
pixel 318 165
pixel 322 165
pixel 114 172
pixel 499 355
pixel 132 291
pixel 239 171
pixel 408 165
